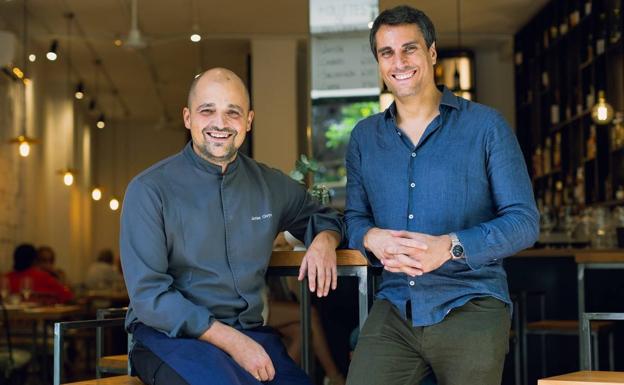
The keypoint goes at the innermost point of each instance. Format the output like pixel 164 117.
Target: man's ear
pixel 186 116
pixel 434 53
pixel 250 118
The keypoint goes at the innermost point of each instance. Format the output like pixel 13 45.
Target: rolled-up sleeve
pixel 516 225
pixel 144 258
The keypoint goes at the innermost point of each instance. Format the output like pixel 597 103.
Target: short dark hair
pixel 403 14
pixel 24 257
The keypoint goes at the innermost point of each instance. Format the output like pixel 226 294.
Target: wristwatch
pixel 457 249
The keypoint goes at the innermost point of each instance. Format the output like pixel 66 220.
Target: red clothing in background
pixel 42 283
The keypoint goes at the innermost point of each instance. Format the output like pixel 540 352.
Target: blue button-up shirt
pixel 466 175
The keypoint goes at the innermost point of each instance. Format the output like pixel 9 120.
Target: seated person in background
pixel 45 261
pixel 282 313
pixel 284 316
pixel 197 232
pixel 28 279
pixel 102 273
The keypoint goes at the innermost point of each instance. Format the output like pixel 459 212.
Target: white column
pixel 274 100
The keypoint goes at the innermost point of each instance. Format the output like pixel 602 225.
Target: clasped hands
pixel 408 252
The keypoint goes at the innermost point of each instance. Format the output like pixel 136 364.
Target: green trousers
pixel 468 347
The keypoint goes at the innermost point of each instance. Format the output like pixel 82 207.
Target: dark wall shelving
pixel 564 56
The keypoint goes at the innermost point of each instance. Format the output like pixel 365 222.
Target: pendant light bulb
pixel 602 112
pixel 113 204
pixel 96 194
pixel 51 54
pixel 101 122
pixel 24 149
pixel 68 178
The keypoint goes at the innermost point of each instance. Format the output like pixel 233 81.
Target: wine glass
pixel 26 287
pixel 4 288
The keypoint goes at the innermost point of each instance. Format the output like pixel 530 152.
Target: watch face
pixel 457 251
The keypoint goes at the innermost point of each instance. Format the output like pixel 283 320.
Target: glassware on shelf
pixel 603 236
pixel 568 222
pixel 547 221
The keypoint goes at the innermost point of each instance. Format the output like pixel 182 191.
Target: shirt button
pixel 411 216
pixel 413 154
pixel 412 283
pixel 412 184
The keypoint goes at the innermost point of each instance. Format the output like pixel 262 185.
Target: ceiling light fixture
pixel 32 57
pixel 79 94
pixel 52 55
pixel 101 122
pixel 195 37
pixel 23 141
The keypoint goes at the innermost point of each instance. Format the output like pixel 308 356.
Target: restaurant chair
pixel 551 327
pixel 116 364
pixel 587 334
pixel 60 329
pixel 587 376
pixel 13 362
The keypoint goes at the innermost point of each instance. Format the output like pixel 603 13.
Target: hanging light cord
pixel 459 42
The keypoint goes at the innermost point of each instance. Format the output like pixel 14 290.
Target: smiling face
pixel 218 116
pixel 405 62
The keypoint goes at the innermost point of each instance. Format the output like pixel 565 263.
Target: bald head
pixel 219 75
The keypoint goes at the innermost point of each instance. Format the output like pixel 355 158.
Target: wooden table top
pixel 585 378
pixel 117 380
pixel 579 255
pixel 293 258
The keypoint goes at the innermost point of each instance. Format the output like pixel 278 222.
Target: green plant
pixel 303 167
pixel 338 134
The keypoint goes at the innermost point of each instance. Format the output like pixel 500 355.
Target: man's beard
pixel 206 148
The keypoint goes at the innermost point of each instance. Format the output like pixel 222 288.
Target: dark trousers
pixel 151 369
pixel 467 347
pixel 159 359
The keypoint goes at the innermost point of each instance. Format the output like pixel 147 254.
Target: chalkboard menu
pixel 343 65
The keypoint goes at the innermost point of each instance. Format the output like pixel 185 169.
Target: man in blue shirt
pixel 438 192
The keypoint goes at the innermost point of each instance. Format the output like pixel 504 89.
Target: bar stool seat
pixel 585 378
pixel 566 326
pixel 117 380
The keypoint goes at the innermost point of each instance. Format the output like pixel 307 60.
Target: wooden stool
pixel 113 364
pixel 585 378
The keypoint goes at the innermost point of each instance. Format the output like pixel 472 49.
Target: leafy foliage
pixel 338 133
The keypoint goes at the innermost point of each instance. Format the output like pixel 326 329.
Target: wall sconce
pixel 602 112
pixel 51 55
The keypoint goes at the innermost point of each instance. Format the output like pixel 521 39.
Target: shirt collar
pixel 205 165
pixel 448 99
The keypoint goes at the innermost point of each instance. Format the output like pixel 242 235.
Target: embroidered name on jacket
pixel 261 217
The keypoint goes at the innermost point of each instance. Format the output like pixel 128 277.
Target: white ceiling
pixel 153 82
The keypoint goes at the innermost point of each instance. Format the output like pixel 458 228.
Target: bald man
pixel 196 237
